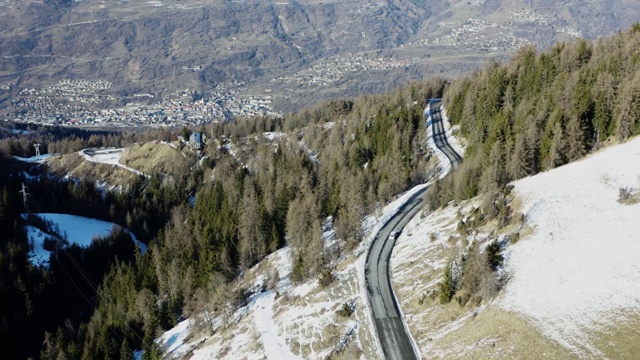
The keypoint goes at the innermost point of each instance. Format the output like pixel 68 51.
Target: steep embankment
pixel 570 291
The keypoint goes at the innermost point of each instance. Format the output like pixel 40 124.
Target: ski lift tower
pixel 37 146
pixel 24 197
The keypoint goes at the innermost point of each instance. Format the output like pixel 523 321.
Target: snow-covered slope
pixel 34 159
pixel 78 230
pixel 572 277
pixel 294 321
pixel 580 269
pixel 109 156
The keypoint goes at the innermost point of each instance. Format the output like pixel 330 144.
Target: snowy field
pixel 107 156
pixel 34 159
pixel 580 269
pixel 78 230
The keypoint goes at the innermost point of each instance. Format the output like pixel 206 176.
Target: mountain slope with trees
pixel 542 110
pixel 264 183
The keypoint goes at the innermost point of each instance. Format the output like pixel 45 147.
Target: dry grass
pixel 78 167
pixel 497 334
pixel 628 196
pixel 621 341
pixel 151 158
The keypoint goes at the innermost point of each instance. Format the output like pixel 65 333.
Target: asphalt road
pixel 439 134
pixel 394 337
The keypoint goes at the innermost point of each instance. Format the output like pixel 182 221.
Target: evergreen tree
pixel 576 147
pixel 251 237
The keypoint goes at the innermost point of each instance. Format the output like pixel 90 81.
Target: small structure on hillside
pixel 195 141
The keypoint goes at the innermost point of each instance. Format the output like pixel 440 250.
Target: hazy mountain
pixel 288 49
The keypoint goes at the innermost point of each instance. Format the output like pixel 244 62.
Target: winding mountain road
pixel 434 116
pixel 394 336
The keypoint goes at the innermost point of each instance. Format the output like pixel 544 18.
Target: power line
pixel 95 288
pixel 87 299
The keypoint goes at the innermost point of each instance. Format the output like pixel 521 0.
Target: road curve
pixel 394 337
pixel 433 113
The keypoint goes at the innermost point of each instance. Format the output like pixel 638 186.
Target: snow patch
pixel 172 339
pixel 77 229
pixel 109 156
pixel 271 136
pixel 275 346
pixel 34 159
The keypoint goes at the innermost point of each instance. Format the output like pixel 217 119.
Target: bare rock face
pixel 165 45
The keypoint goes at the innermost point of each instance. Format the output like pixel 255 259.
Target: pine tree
pixel 629 108
pixel 604 97
pixel 557 151
pixel 125 352
pixel 252 243
pixel 576 144
pixel 519 163
pixel 447 287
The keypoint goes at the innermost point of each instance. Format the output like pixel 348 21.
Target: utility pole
pixel 24 197
pixel 37 146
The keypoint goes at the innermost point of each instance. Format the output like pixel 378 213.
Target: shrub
pixel 624 194
pixel 273 279
pixel 348 308
pixel 447 287
pixel 474 269
pixel 50 244
pixel 494 257
pixel 326 277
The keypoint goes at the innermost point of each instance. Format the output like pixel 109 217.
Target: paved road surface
pixel 434 113
pixel 394 338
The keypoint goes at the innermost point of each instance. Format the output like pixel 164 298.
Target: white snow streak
pixel 275 346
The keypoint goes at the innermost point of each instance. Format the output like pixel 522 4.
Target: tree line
pixel 542 110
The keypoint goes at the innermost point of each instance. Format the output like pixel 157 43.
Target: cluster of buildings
pixel 335 68
pixel 540 19
pixel 481 35
pixel 477 34
pixel 83 103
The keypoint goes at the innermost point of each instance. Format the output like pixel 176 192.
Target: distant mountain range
pixel 297 51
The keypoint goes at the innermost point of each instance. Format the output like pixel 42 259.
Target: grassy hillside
pixel 154 159
pixel 77 167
